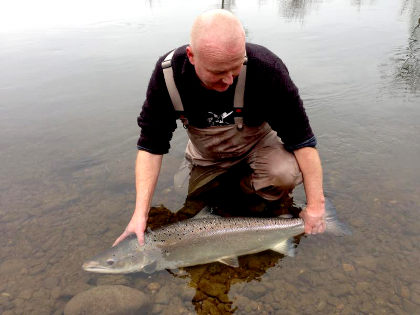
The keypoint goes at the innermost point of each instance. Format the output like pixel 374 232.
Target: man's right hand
pixel 137 225
pixel 147 171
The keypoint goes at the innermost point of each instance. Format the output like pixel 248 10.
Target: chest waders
pixel 213 150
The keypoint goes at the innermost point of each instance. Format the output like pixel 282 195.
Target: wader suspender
pixel 238 100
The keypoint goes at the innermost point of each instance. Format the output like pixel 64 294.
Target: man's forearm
pixel 147 172
pixel 310 166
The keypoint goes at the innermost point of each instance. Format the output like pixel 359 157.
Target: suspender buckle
pixel 166 64
pixel 239 122
pixel 238 117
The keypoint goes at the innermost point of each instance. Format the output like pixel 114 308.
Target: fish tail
pixel 333 225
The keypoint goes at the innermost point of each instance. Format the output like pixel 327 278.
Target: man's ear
pixel 190 55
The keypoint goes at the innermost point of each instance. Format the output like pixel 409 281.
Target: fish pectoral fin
pixel 285 247
pixel 230 261
pixel 150 268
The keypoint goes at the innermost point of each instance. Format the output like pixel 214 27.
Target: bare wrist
pixel 140 213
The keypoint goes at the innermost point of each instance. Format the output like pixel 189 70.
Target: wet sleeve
pixel 157 118
pixel 286 113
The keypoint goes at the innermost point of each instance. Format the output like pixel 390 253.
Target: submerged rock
pixel 348 268
pixel 12 266
pixel 163 295
pixel 107 299
pixel 153 286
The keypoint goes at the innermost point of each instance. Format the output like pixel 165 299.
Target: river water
pixel 73 78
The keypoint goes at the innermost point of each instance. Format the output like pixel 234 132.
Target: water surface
pixel 73 78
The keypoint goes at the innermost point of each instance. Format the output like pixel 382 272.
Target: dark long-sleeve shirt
pixel 270 95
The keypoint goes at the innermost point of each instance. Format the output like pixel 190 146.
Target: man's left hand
pixel 314 220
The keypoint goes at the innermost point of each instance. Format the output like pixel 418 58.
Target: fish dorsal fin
pixel 230 261
pixel 285 216
pixel 206 212
pixel 285 247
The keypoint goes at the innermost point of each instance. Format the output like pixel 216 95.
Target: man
pixel 236 101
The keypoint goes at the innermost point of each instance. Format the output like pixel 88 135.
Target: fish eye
pixel 110 262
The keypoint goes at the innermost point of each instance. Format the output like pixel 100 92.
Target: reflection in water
pixel 290 9
pixel 402 69
pixel 228 4
pixel 297 9
pixel 359 3
pixel 409 70
pixel 212 282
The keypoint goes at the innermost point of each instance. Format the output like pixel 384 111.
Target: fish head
pixel 126 257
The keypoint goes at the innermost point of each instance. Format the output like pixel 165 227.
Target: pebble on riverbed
pixel 107 299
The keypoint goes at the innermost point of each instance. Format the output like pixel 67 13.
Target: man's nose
pixel 228 79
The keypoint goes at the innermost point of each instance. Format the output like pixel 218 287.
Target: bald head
pixel 217 49
pixel 217 31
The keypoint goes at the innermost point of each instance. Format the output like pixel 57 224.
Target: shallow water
pixel 72 82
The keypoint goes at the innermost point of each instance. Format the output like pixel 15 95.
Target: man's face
pixel 217 70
